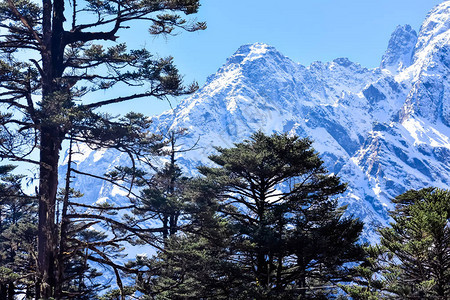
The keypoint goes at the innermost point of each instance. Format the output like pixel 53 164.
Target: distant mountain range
pixel 382 130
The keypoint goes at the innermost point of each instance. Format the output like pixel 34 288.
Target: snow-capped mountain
pixel 382 130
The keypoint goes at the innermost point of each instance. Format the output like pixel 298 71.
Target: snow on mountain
pixel 382 130
pixel 400 49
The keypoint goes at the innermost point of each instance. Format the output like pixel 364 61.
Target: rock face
pixel 399 53
pixel 382 130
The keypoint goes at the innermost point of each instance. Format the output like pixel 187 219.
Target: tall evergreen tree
pixel 160 189
pixel 95 235
pixel 286 234
pixel 369 278
pixel 53 53
pixel 163 194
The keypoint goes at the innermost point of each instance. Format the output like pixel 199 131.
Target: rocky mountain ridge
pixel 382 130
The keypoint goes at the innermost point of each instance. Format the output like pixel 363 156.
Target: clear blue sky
pixel 304 30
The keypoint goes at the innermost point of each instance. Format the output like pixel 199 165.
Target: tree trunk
pixel 3 291
pixel 47 230
pixel 173 219
pixel 261 267
pixel 51 135
pixel 302 276
pixel 11 291
pixel 173 223
pixel 165 227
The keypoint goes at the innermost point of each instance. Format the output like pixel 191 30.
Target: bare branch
pixel 121 99
pixel 102 207
pixel 108 180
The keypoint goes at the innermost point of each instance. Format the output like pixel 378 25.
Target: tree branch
pixel 120 99
pixel 116 223
pixel 24 21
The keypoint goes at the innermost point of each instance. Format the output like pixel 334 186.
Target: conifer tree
pixel 163 194
pixel 53 54
pixel 418 240
pixel 369 278
pixel 160 189
pixel 95 235
pixel 282 227
pixel 195 262
pixel 412 260
pixel 76 277
pixel 18 216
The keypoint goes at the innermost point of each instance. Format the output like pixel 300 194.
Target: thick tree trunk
pixel 47 230
pixel 165 226
pixel 52 50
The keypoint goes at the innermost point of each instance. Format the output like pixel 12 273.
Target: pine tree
pixel 53 54
pixel 412 260
pixel 95 235
pixel 418 241
pixel 192 266
pixel 279 197
pixel 282 228
pixel 195 263
pixel 369 278
pixel 163 194
pixel 159 194
pixel 76 277
pixel 18 216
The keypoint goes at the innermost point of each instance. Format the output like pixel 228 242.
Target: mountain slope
pixel 383 130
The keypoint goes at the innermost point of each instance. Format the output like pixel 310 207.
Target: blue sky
pixel 304 30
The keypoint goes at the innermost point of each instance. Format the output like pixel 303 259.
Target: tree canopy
pixel 419 242
pixel 270 204
pixel 412 260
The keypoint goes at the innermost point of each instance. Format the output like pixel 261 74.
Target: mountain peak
pixel 434 30
pixel 343 61
pixel 253 48
pixel 247 60
pixel 251 52
pixel 400 49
